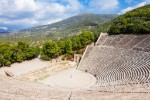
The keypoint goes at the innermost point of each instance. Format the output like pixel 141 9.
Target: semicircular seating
pixel 119 59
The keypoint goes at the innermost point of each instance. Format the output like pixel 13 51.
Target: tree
pixel 15 52
pixel 24 52
pixel 22 46
pixel 61 45
pixel 76 43
pixel 86 37
pixel 5 54
pixel 19 58
pixel 50 49
pixel 114 30
pixel 1 61
pixel 7 63
pixel 65 46
pixel 32 52
pixel 68 46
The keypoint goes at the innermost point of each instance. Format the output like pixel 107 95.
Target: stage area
pixel 70 79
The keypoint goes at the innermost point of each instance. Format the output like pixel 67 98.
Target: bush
pixel 45 57
pixel 7 63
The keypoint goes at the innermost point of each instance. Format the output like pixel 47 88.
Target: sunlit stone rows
pixel 119 59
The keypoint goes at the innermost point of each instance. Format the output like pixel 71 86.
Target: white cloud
pixel 148 1
pixel 36 12
pixel 104 5
pixel 4 28
pixel 25 21
pixel 133 7
pixel 25 5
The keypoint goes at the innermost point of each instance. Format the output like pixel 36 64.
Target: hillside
pixel 56 31
pixel 136 21
pixel 71 25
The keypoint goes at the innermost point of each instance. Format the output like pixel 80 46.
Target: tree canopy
pixel 50 50
pixel 86 37
pixel 16 53
pixel 22 51
pixel 136 21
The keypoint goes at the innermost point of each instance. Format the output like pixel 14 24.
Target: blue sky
pixel 20 14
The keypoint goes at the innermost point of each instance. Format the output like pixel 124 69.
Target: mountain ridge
pixel 71 25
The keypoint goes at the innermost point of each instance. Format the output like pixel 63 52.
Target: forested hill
pixel 72 25
pixel 136 21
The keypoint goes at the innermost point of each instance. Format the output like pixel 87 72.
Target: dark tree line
pixel 22 51
pixel 53 49
pixel 16 53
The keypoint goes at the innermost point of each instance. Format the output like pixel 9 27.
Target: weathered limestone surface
pixel 121 64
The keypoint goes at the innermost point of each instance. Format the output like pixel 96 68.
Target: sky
pixel 21 14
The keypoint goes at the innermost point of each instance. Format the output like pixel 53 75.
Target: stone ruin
pixel 120 63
